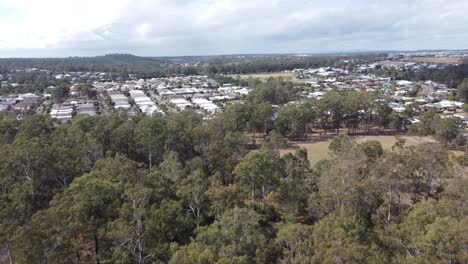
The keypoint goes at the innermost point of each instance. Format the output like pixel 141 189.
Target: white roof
pixel 403 83
pixel 447 103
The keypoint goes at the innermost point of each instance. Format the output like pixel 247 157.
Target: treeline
pixel 281 63
pixel 183 189
pixel 99 61
pixel 121 65
pixel 347 111
pixel 31 82
pixel 447 130
pixel 295 117
pixel 149 67
pixel 452 76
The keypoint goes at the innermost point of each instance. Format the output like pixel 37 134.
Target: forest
pixel 451 76
pixel 182 188
pixel 122 66
pixel 150 67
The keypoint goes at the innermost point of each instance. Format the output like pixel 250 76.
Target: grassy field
pixel 319 150
pixel 265 76
pixel 444 60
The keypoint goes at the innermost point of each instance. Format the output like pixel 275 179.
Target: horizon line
pixel 245 54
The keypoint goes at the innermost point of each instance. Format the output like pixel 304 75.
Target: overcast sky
pixel 56 28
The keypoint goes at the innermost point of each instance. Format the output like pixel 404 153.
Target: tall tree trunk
pixel 10 254
pixel 253 196
pixel 96 245
pixel 389 210
pixel 150 159
pixel 77 252
pixel 141 259
pixel 399 202
pixel 427 193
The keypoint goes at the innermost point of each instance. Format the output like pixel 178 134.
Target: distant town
pixel 102 93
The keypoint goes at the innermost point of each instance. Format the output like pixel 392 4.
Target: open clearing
pixel 319 150
pixel 438 60
pixel 265 76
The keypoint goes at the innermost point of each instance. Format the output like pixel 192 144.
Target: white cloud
pixel 47 23
pixel 181 27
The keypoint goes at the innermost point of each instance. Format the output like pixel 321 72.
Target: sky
pixel 61 28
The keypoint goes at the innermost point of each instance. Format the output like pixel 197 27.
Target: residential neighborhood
pixel 208 96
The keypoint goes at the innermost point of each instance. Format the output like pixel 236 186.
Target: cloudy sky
pixel 56 28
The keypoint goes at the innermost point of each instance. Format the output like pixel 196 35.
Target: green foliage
pixel 338 240
pixel 8 130
pixel 332 109
pixel 193 191
pixel 150 138
pixel 296 241
pixel 35 126
pixel 383 114
pixel 463 91
pixel 183 189
pixel 275 141
pixel 274 91
pixel 237 237
pixel 372 149
pixel 293 119
pixel 426 125
pixel 87 90
pixel 351 110
pixel 341 144
pixel 295 184
pixel 447 129
pixel 60 92
pixel 259 172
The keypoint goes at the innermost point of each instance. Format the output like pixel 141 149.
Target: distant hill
pixel 109 60
pixel 121 59
pixel 129 60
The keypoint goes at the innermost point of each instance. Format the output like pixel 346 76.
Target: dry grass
pixel 265 76
pixel 315 151
pixel 319 150
pixel 443 60
pixel 399 63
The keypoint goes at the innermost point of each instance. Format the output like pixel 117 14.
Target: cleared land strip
pixel 319 150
